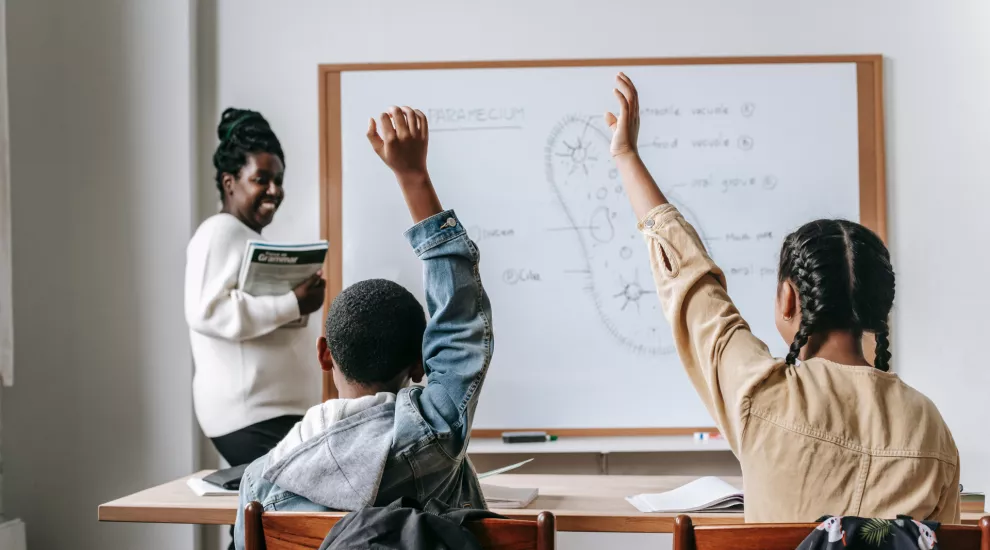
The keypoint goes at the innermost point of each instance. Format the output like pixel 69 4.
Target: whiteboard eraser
pixel 527 437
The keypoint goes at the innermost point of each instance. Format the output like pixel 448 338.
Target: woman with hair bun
pixel 254 378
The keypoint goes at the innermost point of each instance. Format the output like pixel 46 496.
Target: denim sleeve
pixel 248 492
pixel 457 346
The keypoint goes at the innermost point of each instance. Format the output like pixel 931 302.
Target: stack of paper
pixel 206 489
pixel 508 497
pixel 708 494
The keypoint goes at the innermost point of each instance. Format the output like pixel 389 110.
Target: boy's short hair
pixel 374 330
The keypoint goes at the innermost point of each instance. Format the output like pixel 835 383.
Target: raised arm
pixel 723 359
pixel 457 346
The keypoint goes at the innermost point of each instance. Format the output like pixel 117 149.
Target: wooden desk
pixel 602 445
pixel 172 502
pixel 583 503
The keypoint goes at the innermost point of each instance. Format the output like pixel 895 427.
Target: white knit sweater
pixel 247 368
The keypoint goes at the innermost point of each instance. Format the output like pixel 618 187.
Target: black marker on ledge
pixel 527 437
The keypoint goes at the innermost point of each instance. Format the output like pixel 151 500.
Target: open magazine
pixel 271 269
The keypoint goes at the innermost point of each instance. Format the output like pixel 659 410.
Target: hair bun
pixel 233 118
pixel 242 132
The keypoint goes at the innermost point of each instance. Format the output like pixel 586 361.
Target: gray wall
pixel 101 159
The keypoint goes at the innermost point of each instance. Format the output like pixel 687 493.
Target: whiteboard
pixel 748 152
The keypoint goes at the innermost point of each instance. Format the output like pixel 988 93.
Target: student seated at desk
pixel 822 431
pixel 378 441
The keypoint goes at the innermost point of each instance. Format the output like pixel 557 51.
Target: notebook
pixel 508 497
pixel 207 489
pixel 707 494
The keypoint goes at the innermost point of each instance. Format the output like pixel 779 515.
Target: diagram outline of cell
pixel 579 154
pixel 632 291
pixel 614 253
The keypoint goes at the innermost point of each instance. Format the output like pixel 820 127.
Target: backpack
pixel 406 525
pixel 903 533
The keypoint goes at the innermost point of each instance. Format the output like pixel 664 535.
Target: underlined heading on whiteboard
pixel 474 119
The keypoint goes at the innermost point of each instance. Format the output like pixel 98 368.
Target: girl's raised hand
pixel 625 127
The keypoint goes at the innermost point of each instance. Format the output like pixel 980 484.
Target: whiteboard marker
pixel 527 437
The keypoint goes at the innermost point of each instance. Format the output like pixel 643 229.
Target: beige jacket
pixel 819 438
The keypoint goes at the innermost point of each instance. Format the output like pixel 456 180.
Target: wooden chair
pixel 306 531
pixel 787 536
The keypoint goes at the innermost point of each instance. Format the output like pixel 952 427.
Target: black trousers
pixel 247 444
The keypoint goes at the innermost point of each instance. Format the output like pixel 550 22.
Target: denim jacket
pixel 349 454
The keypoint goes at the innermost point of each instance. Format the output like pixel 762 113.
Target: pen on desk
pixel 527 437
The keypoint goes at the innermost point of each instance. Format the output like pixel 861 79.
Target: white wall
pixel 101 126
pixel 102 137
pixel 937 78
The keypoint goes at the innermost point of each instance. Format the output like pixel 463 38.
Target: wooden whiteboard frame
pixel 872 169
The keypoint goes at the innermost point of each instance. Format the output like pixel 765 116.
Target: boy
pixel 380 440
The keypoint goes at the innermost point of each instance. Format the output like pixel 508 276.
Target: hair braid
pixel 810 295
pixel 800 340
pixel 882 361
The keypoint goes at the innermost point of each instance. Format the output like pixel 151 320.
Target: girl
pixel 820 432
pixel 253 379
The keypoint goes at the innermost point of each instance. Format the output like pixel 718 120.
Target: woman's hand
pixel 310 293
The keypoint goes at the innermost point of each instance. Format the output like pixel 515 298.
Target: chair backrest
pixel 306 531
pixel 788 536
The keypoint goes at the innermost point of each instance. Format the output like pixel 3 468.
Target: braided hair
pixel 241 133
pixel 844 281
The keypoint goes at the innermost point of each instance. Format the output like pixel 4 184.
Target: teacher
pixel 253 378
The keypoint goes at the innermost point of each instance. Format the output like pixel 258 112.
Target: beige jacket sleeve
pixel 723 359
pixel 949 506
